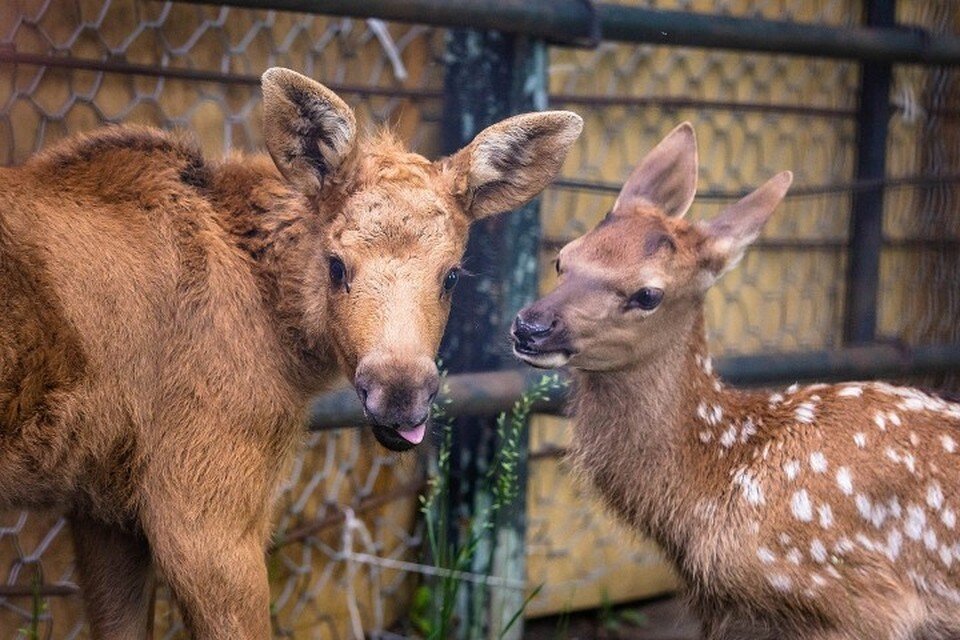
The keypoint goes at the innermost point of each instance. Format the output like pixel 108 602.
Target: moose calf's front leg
pixel 116 577
pixel 219 582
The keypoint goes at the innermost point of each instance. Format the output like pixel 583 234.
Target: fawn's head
pixel 631 284
pixel 392 230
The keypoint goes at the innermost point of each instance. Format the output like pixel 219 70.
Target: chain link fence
pixel 344 557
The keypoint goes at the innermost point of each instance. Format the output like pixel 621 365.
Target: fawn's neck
pixel 635 435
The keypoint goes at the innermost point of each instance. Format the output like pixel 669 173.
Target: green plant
pixel 37 610
pixel 613 620
pixel 434 602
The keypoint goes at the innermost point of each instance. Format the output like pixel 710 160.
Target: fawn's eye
pixel 556 265
pixel 451 279
pixel 338 272
pixel 647 298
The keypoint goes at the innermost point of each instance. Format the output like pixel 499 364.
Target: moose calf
pixel 821 512
pixel 166 320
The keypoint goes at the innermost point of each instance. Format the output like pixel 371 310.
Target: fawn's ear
pixel 666 178
pixel 509 163
pixel 308 129
pixel 727 236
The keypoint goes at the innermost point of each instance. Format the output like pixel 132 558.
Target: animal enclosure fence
pixel 348 545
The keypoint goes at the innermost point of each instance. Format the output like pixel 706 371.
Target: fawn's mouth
pixel 541 359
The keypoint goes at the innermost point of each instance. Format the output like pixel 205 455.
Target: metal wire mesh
pixel 347 527
pixel 96 62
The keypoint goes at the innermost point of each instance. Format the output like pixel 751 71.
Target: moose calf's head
pixel 392 229
pixel 636 282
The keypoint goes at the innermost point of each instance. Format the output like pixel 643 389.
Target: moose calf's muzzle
pixel 396 395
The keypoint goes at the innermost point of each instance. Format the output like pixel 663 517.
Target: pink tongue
pixel 414 435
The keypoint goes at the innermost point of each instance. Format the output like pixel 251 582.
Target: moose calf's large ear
pixel 666 177
pixel 509 163
pixel 309 130
pixel 727 236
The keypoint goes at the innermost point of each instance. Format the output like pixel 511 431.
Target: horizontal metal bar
pixel 672 102
pixel 473 394
pixel 43 590
pixel 490 393
pixel 578 22
pixel 849 363
pixel 799 191
pixel 811 244
pixel 196 75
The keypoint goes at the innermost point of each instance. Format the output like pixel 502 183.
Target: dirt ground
pixel 664 619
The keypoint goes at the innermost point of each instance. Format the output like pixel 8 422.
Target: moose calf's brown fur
pixel 821 512
pixel 166 320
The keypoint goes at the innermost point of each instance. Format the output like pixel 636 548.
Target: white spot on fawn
pixel 728 437
pixel 818 462
pixel 916 520
pixel 752 492
pixel 949 518
pixel 801 507
pixel 791 468
pixel 794 556
pixel 702 411
pixel 716 415
pixel 845 480
pixel 817 551
pixel 793 388
pixel 934 496
pixel 949 444
pixel 894 541
pixel 780 582
pixel 894 418
pixel 861 439
pixel 910 462
pixel 894 506
pixel 775 399
pixel 850 392
pixel 765 555
pixel 880 420
pixel 842 546
pixel 946 555
pixel 864 506
pixel 826 516
pixel 930 539
pixel 705 437
pixel 805 413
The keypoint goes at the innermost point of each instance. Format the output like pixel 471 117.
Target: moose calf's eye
pixel 338 271
pixel 648 298
pixel 451 280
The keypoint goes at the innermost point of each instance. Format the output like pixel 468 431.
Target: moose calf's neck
pixel 276 228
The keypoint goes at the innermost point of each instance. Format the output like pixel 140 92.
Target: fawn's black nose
pixel 530 329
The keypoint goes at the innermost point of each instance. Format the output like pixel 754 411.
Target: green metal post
pixel 866 217
pixel 490 76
